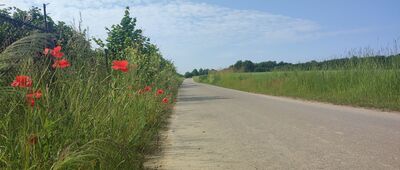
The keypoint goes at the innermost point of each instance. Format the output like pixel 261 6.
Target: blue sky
pixel 217 33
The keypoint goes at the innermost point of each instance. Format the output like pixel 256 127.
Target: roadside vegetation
pixel 370 81
pixel 65 105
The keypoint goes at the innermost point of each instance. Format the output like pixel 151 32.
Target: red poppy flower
pixel 35 95
pixel 32 96
pixel 147 89
pixel 56 52
pixel 22 81
pixel 160 92
pixel 46 51
pixel 63 63
pixel 165 100
pixel 121 65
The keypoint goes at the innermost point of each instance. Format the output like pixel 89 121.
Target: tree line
pixel 379 61
pixel 198 72
pixel 354 62
pixel 249 66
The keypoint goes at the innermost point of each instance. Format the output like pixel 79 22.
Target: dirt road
pixel 218 128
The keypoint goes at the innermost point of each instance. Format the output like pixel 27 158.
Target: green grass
pixel 89 117
pixel 375 88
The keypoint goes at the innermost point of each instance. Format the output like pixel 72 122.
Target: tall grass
pixel 89 117
pixel 367 85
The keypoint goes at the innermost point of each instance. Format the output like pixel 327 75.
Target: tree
pixel 201 71
pixel 19 42
pixel 237 66
pixel 206 71
pixel 195 72
pixel 248 66
pixel 265 66
pixel 10 33
pixel 188 75
pixel 124 35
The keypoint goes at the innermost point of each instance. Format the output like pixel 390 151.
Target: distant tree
pixel 248 66
pixel 265 66
pixel 188 75
pixel 201 71
pixel 206 71
pixel 195 72
pixel 237 66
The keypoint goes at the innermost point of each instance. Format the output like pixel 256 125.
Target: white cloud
pixel 207 35
pixel 189 33
pixel 199 22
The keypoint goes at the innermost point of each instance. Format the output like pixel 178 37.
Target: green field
pixel 375 88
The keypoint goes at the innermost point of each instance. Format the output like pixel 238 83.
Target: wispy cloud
pixel 198 22
pixel 187 32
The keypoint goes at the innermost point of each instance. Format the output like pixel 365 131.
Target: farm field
pixel 375 88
